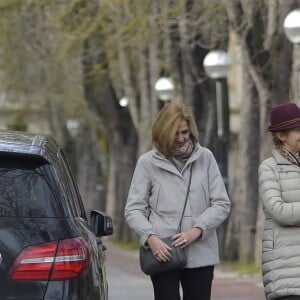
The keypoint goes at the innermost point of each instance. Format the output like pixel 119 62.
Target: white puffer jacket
pixel 279 188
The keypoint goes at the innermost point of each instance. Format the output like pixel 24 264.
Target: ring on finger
pixel 185 240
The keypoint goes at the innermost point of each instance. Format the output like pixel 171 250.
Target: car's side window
pixel 72 186
pixel 69 197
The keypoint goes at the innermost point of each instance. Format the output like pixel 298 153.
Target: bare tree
pixel 265 51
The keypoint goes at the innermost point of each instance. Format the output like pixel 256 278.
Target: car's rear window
pixel 28 187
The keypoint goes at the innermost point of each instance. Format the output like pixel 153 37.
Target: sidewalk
pixel 227 285
pixel 231 286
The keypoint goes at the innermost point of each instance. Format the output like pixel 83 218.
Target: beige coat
pixel 279 187
pixel 156 198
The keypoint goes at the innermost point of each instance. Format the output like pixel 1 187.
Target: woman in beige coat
pixel 156 199
pixel 279 187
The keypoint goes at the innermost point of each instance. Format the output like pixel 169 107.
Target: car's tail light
pixel 60 260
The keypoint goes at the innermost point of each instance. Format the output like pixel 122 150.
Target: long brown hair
pixel 166 124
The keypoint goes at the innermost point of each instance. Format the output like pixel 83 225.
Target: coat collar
pixel 162 162
pixel 280 160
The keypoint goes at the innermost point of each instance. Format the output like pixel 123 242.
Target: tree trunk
pixel 154 61
pixel 266 65
pixel 120 134
pixel 187 81
pixel 249 159
pixel 144 129
pixel 90 177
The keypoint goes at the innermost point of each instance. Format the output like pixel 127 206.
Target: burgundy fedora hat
pixel 285 116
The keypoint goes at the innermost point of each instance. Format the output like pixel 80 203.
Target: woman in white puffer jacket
pixel 279 188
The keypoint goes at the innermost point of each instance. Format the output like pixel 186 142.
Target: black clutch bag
pixel 149 263
pixel 151 266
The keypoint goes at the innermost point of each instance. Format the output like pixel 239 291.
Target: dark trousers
pixel 196 284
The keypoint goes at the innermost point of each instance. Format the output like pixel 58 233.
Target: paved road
pixel 127 282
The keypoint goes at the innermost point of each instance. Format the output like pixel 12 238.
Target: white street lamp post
pixel 291 26
pixel 217 65
pixel 164 88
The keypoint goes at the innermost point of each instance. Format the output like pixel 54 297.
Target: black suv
pixel 47 248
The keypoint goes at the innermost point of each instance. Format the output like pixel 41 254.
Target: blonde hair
pixel 166 124
pixel 276 141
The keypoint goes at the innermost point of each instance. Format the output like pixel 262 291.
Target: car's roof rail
pixel 28 143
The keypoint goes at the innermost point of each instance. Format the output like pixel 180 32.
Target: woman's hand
pixel 159 248
pixel 185 238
